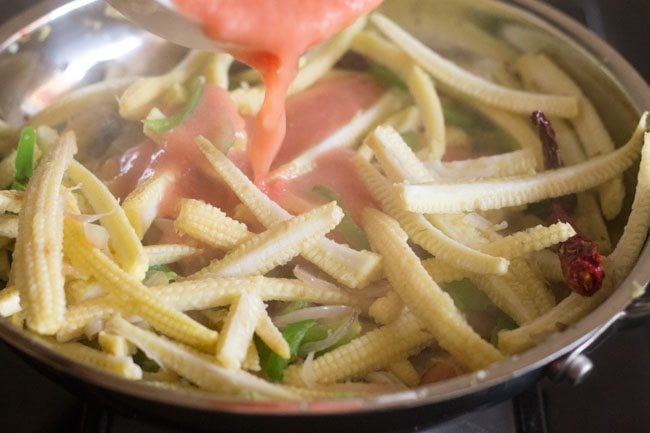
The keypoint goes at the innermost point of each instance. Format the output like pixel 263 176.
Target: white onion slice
pixel 375 290
pixel 331 340
pixel 307 372
pixel 386 378
pixel 312 313
pixel 312 280
pixel 93 328
pixel 97 235
pixel 88 218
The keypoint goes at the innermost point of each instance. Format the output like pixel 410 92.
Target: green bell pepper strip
pixel 350 230
pixel 24 158
pixel 167 124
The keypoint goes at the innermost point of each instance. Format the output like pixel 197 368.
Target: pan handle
pixel 576 366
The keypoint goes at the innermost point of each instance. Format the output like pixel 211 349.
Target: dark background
pixel 616 398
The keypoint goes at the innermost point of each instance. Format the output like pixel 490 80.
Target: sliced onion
pixel 312 280
pixel 156 278
pixel 328 342
pixel 313 313
pixel 89 218
pixel 483 223
pixel 93 328
pixel 386 378
pixel 307 371
pixel 97 235
pixel 375 290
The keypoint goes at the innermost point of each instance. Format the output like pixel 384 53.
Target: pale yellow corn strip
pixel 494 194
pixel 405 372
pixel 423 296
pixel 141 205
pixel 119 365
pixel 324 57
pixel 164 254
pixel 277 245
pixel 194 367
pixel 271 336
pixel 352 268
pixel 215 316
pixel 571 151
pixel 77 291
pixel 115 345
pixel 588 219
pixel 346 137
pixel 371 351
pixel 533 239
pixel 442 272
pixel 419 229
pixel 238 329
pixel 209 224
pixel 516 163
pixel 139 98
pixel 123 240
pixel 617 265
pixel 548 264
pixel 218 68
pixel 11 201
pixel 386 309
pixel 518 127
pixel 422 232
pixel 8 169
pixel 18 320
pixel 252 360
pixel 38 254
pixel 78 101
pixel 9 226
pixel 419 83
pixel 542 73
pixel 202 294
pixel 130 294
pixel 471 85
pixel 9 301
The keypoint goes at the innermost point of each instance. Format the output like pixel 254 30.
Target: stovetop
pixel 615 398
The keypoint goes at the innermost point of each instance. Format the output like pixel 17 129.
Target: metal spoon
pixel 161 18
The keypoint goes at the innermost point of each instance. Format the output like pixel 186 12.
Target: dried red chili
pixel 582 265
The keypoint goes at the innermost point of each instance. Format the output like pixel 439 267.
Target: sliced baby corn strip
pixel 119 365
pixel 519 127
pixel 9 226
pixel 441 272
pixel 78 101
pixel 115 345
pixel 494 194
pixel 271 336
pixel 324 57
pixel 405 372
pixel 193 366
pixel 38 254
pixel 352 268
pixel 123 239
pixel 471 85
pixel 371 351
pixel 130 294
pixel 238 329
pixel 164 254
pixel 209 224
pixel 533 239
pixel 617 265
pixel 419 83
pixel 277 245
pixel 547 263
pixel 218 68
pixel 9 301
pixel 11 201
pixel 588 219
pixel 77 291
pixel 421 231
pixel 139 98
pixel 202 294
pixel 141 205
pixel 422 295
pixel 347 136
pixel 386 309
pixel 542 73
pixel 252 360
pixel 8 169
pixel 519 162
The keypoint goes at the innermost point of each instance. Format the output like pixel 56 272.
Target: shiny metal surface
pixel 85 44
pixel 161 18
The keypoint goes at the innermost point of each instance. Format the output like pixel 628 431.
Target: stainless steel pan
pixel 84 45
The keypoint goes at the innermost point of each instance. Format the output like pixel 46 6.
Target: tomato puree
pixel 270 36
pixel 215 118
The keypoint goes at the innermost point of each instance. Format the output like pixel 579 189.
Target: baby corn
pixel 209 225
pixel 38 254
pixel 141 205
pixel 422 295
pixel 164 254
pixel 238 329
